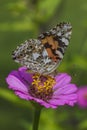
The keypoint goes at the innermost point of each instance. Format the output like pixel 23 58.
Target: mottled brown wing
pixel 43 55
pixel 56 40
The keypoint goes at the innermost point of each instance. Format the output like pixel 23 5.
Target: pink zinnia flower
pixel 48 91
pixel 82 96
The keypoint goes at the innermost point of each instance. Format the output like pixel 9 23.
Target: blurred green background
pixel 24 19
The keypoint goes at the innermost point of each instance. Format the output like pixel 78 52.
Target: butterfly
pixel 44 54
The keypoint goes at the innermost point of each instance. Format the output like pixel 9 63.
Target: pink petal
pixel 65 97
pixel 43 103
pixel 25 75
pixel 68 97
pixel 56 102
pixel 67 89
pixel 61 80
pixel 16 84
pixel 23 95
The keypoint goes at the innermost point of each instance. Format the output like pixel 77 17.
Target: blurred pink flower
pixel 82 96
pixel 48 91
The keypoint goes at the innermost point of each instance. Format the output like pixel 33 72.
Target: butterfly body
pixel 44 54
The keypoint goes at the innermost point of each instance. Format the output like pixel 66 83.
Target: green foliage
pixel 46 9
pixel 24 19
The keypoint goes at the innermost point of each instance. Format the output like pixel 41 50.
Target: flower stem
pixel 36 118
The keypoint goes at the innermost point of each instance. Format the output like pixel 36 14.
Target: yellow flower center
pixel 42 86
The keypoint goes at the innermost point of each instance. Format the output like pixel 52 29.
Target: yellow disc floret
pixel 42 86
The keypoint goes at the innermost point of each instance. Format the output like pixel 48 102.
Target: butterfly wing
pixel 44 54
pixel 56 40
